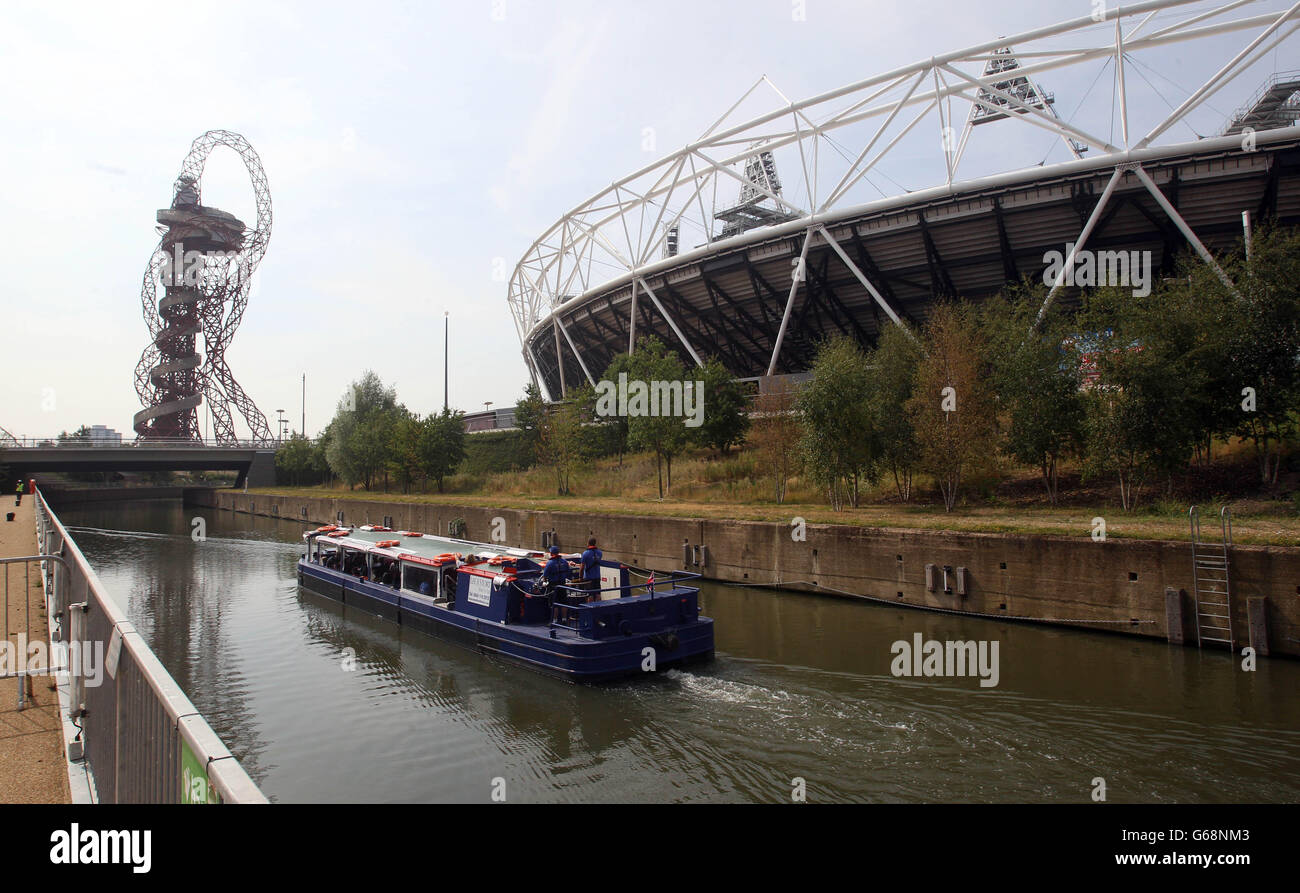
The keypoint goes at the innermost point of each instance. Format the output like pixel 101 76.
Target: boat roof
pixel 425 547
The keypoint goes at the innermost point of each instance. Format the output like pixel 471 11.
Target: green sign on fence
pixel 195 786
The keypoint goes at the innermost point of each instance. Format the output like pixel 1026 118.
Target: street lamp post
pixel 280 424
pixel 446 343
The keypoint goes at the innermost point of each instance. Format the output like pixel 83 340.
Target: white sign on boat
pixel 480 590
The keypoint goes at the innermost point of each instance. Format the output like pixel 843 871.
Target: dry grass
pixel 735 488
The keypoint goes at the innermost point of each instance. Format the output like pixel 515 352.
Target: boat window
pixel 384 570
pixel 354 562
pixel 417 577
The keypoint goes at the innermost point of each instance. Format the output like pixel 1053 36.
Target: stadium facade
pixel 772 274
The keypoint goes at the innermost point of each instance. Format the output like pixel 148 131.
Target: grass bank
pixel 734 487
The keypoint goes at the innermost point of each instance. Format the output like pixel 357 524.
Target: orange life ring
pixel 411 533
pixel 388 544
pixel 327 528
pixel 338 533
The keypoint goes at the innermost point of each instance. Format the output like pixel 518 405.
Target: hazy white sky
pixel 408 146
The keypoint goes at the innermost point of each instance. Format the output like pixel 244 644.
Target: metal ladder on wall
pixel 1210 582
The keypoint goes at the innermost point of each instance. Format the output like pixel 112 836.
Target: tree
pixel 1159 363
pixel 952 403
pixel 666 435
pixel 1265 348
pixel 529 413
pixel 1036 377
pixel 442 445
pixel 775 433
pixel 889 386
pixel 840 446
pixel 318 464
pixel 404 459
pixel 562 439
pixel 725 418
pixel 622 363
pixel 359 434
pixel 1116 438
pixel 293 460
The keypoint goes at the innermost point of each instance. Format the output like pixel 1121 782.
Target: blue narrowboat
pixel 494 600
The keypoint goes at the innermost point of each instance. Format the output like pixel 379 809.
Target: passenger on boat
pixel 591 567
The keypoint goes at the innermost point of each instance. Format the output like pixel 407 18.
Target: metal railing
pixel 566 615
pixel 144 741
pixel 24 674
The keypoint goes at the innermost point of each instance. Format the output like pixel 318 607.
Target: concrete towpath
pixel 32 764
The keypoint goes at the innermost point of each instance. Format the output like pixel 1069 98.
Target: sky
pixel 413 150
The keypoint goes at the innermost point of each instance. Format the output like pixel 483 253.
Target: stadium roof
pixel 866 264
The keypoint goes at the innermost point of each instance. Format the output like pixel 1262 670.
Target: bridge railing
pixel 143 739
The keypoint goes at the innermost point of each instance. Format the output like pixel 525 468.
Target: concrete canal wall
pixel 65 496
pixel 1138 587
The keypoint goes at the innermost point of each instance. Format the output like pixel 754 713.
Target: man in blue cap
pixel 555 573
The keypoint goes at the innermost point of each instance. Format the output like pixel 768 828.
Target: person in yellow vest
pixel 18 492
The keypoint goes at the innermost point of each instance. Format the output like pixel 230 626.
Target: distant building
pixel 490 420
pixel 104 436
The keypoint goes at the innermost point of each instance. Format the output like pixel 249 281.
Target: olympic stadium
pixel 860 207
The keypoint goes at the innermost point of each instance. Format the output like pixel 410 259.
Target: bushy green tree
pixel 725 418
pixel 529 413
pixel 892 374
pixel 840 446
pixel 404 459
pixel 1116 428
pixel 294 459
pixel 1264 355
pixel 622 363
pixel 665 435
pixel 1036 377
pixel 1160 361
pixel 360 433
pixel 442 445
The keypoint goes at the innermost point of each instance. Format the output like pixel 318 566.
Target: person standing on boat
pixel 557 569
pixel 555 574
pixel 591 567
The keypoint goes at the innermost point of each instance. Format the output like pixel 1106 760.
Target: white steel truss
pixel 622 229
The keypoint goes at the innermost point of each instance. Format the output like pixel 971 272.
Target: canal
pixel 322 703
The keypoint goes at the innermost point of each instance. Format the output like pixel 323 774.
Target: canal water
pixel 322 703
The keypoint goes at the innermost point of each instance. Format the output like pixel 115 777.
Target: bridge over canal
pixel 254 464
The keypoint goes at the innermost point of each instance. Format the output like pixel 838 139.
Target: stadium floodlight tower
pixel 759 195
pixel 204 262
pixel 1015 94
